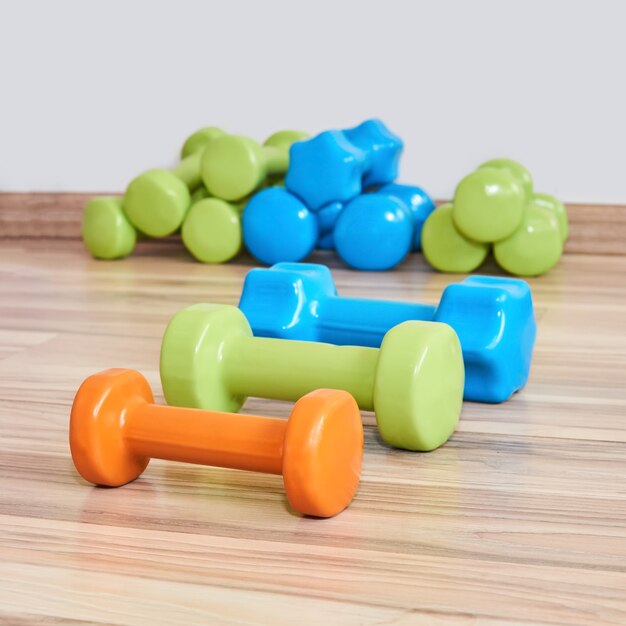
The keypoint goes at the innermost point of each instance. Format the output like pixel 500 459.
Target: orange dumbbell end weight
pixel 115 428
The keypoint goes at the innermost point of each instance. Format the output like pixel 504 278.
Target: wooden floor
pixel 520 518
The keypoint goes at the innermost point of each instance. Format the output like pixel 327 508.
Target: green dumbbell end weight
pixel 211 231
pixel 488 205
pixel 197 141
pixel 446 249
pixel 106 231
pixel 156 202
pixel 535 247
pixel 555 206
pixel 284 138
pixel 515 168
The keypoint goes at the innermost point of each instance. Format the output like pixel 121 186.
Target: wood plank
pixel 594 228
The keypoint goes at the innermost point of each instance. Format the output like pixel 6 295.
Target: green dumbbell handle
pixel 189 170
pixel 277 159
pixel 287 370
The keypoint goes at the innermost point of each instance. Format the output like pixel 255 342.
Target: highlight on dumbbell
pixel 493 318
pixel 413 382
pixel 115 428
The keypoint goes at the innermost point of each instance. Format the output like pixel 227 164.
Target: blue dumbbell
pixel 335 165
pixel 277 226
pixel 419 203
pixel 493 317
pixel 373 232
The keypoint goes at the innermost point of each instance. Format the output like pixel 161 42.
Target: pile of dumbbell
pixel 293 338
pixel 495 208
pixel 202 197
pixel 336 190
pixel 320 203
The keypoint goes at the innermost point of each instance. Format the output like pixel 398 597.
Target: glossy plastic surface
pixel 210 360
pixel 535 247
pixel 115 428
pixel 555 206
pixel 373 232
pixel 327 168
pixel 277 226
pixel 493 318
pixel 382 148
pixel 446 249
pixel 156 202
pixel 488 205
pixel 419 203
pixel 234 166
pixel 211 231
pixel 197 141
pixel 107 233
pixel 517 169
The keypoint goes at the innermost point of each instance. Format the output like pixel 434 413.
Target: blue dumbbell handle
pixel 357 321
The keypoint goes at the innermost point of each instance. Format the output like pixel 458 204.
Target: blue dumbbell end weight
pixel 324 169
pixel 383 149
pixel 277 226
pixel 420 204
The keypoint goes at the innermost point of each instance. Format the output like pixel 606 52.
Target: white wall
pixel 94 92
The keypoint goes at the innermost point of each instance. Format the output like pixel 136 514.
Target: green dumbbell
pixel 106 231
pixel 211 230
pixel 157 200
pixel 489 203
pixel 233 166
pixel 414 382
pixel 536 245
pixel 446 249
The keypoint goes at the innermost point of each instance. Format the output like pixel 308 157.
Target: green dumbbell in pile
pixel 496 208
pixel 157 201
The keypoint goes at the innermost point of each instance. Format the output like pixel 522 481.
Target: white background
pixel 92 93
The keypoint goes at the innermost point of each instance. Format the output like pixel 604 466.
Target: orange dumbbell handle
pixel 247 442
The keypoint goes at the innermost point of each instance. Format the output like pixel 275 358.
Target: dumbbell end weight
pixel 99 450
pixel 323 451
pixel 418 393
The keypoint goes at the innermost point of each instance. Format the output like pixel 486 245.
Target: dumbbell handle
pixel 287 370
pixel 189 170
pixel 277 159
pixel 238 441
pixel 357 321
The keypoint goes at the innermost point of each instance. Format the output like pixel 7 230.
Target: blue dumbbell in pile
pixel 324 203
pixel 493 318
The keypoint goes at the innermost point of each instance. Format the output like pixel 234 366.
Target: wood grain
pixel 594 229
pixel 519 519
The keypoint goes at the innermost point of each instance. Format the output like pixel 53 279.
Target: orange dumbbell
pixel 115 428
